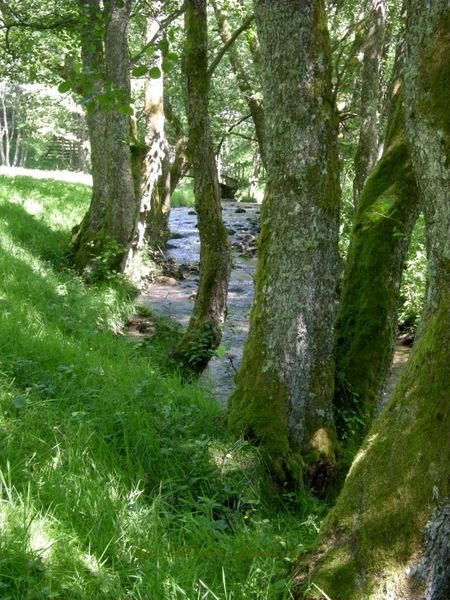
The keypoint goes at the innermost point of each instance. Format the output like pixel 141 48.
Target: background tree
pixel 284 388
pixel 368 144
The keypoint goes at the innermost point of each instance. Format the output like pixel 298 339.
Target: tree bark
pixel 284 389
pixel 368 146
pixel 367 315
pixel 102 241
pixel 92 56
pixel 152 223
pixel 387 536
pixel 204 330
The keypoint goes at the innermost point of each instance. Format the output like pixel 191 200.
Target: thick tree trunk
pixel 387 536
pixel 92 56
pixel 204 330
pixel 367 150
pixel 245 86
pixel 106 231
pixel 285 386
pixel 367 316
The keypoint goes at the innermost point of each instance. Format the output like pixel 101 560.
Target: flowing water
pixel 174 299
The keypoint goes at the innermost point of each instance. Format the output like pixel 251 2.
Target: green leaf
pixel 280 584
pixel 125 109
pixel 155 73
pixel 65 86
pixel 139 71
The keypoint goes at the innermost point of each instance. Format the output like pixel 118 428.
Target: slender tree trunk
pixel 204 329
pixel 153 208
pixel 245 86
pixel 285 386
pixel 5 131
pixel 367 316
pixel 157 162
pixel 158 218
pixel 122 207
pixel 180 161
pixel 367 150
pixel 387 536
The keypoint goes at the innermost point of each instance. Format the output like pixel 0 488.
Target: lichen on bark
pixel 285 385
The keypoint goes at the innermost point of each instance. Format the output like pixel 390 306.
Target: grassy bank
pixel 116 479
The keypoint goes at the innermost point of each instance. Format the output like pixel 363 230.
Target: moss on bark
pixel 204 330
pixel 375 531
pixel 285 385
pixel 367 316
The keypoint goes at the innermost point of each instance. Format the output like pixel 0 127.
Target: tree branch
pixel 161 26
pixel 215 62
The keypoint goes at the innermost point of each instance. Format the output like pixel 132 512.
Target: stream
pixel 174 298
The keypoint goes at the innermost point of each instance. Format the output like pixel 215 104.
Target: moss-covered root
pixel 386 536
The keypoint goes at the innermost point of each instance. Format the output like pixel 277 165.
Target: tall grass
pixel 117 480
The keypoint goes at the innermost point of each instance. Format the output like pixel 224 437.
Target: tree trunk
pixel 367 150
pixel 367 315
pixel 285 386
pixel 102 242
pixel 387 536
pixel 154 205
pixel 158 218
pixel 204 330
pixel 92 56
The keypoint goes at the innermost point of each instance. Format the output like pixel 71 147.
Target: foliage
pixel 414 279
pixel 116 480
pixel 184 194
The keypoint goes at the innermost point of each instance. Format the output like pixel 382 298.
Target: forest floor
pixel 118 479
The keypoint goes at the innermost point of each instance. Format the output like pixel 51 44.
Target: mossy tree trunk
pixel 387 536
pixel 204 330
pixel 92 56
pixel 367 315
pixel 368 142
pixel 284 389
pixel 104 237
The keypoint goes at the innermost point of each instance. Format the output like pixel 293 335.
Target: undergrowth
pixel 117 480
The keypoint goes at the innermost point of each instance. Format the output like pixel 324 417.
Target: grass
pixel 184 194
pixel 117 480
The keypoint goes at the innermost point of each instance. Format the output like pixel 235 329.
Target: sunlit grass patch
pixel 118 480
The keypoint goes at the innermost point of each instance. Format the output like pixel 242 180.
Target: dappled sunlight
pixel 68 176
pixel 360 455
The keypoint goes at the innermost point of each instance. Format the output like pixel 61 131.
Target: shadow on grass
pixel 33 234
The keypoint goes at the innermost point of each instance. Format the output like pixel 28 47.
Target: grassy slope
pixel 116 480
